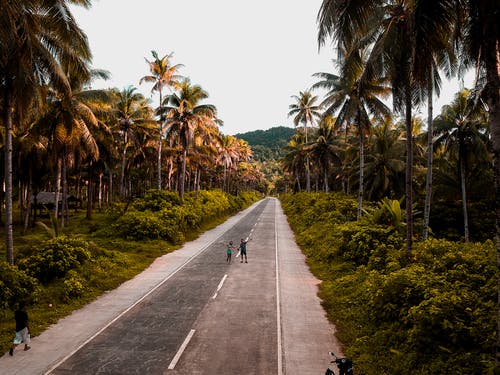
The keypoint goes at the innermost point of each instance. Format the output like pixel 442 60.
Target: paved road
pixel 192 313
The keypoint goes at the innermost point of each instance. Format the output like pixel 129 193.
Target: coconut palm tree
pixel 34 37
pixel 394 30
pixel 228 155
pixel 461 131
pixel 325 148
pixel 478 30
pixel 305 111
pixel 185 115
pixel 384 163
pixel 293 162
pixel 163 74
pixel 133 114
pixel 355 96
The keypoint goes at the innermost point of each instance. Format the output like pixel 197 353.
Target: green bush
pixel 157 200
pixel 360 242
pixel 435 314
pixel 138 225
pixel 55 257
pixel 74 285
pixel 15 286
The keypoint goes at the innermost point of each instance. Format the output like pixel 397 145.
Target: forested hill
pixel 267 144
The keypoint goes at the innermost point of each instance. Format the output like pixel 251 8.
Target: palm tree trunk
pixel 308 175
pixel 101 188
pixel 492 63
pixel 430 155
pixel 160 143
pixel 464 199
pixel 170 173
pixel 9 239
pixel 58 188
pixel 110 193
pixel 182 177
pixel 224 179
pixel 64 200
pixel 325 173
pixel 90 192
pixel 122 170
pixel 27 214
pixel 361 165
pixel 409 173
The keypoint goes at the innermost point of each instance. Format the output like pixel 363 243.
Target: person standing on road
pixel 22 329
pixel 229 251
pixel 243 250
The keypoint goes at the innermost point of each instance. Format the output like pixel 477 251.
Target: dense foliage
pixel 267 144
pixel 435 314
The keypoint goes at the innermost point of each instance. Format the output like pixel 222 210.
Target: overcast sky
pixel 250 56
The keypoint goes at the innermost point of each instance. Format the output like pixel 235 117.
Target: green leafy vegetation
pixel 268 144
pixel 56 275
pixel 433 314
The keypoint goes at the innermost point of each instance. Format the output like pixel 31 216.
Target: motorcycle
pixel 344 365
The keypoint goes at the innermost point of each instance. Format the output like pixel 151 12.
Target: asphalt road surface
pixel 193 313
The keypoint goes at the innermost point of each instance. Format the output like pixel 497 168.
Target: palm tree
pixel 355 96
pixel 325 148
pixel 294 160
pixel 228 154
pixel 185 116
pixel 70 123
pixel 479 32
pixel 394 30
pixel 461 130
pixel 384 163
pixel 305 111
pixel 133 115
pixel 163 74
pixel 22 30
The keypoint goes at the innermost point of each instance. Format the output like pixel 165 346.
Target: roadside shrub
pixel 214 202
pixel 74 285
pixel 358 242
pixel 157 200
pixel 137 225
pixel 16 285
pixel 433 314
pixel 55 257
pixel 173 224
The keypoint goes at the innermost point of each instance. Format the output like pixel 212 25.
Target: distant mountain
pixel 267 144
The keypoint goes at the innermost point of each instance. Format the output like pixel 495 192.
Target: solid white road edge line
pixel 172 364
pixel 219 287
pixel 278 301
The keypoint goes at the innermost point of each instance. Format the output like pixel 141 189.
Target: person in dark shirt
pixel 22 329
pixel 243 249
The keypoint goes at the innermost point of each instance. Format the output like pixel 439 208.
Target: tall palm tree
pixel 384 162
pixel 133 115
pixel 70 123
pixel 34 37
pixel 163 74
pixel 461 130
pixel 305 111
pixel 228 154
pixel 293 162
pixel 325 148
pixel 478 30
pixel 356 97
pixel 394 30
pixel 185 114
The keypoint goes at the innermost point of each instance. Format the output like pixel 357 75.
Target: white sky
pixel 250 56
